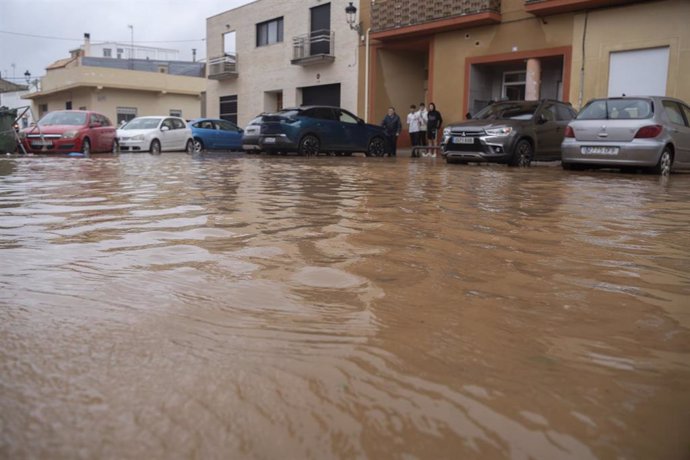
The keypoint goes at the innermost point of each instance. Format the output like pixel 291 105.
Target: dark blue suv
pixel 311 130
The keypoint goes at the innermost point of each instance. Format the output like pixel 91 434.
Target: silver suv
pixel 513 132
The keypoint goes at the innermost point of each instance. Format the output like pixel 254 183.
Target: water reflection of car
pixel 155 135
pixel 66 131
pixel 215 134
pixel 513 132
pixel 251 135
pixel 648 132
pixel 311 130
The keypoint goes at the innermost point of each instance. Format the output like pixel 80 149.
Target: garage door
pixel 321 95
pixel 638 72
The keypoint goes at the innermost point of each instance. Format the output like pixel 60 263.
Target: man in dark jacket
pixel 391 125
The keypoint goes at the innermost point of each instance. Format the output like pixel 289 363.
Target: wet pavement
pixel 222 306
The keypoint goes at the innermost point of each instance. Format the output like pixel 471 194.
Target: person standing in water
pixel 391 126
pixel 434 124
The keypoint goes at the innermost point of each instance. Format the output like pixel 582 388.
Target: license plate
pixel 463 140
pixel 269 140
pixel 599 150
pixel 41 144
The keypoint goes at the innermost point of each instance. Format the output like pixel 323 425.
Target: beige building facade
pixel 121 89
pixel 271 54
pixel 463 55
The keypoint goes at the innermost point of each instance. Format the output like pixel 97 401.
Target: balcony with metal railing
pixel 223 67
pixel 399 18
pixel 315 47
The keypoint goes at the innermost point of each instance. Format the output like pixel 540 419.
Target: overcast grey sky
pixel 177 24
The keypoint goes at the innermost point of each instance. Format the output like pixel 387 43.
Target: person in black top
pixel 391 125
pixel 435 121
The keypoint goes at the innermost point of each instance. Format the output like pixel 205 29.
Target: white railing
pixel 316 43
pixel 225 65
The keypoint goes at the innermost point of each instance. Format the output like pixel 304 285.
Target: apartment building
pixel 462 54
pixel 271 54
pixel 120 88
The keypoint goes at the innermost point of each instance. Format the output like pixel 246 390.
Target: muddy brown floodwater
pixel 228 307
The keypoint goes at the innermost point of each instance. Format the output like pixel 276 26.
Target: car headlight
pixel 446 131
pixel 503 131
pixel 70 134
pixel 138 137
pixel 22 134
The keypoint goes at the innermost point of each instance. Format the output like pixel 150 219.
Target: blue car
pixel 311 130
pixel 215 134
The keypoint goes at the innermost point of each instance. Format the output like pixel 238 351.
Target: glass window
pixel 63 118
pixel 346 117
pixel 125 114
pixel 686 111
pixel 143 123
pixel 175 113
pixel 605 109
pixel 322 113
pixel 178 123
pixel 228 108
pixel 167 123
pixel 549 112
pixel 107 52
pixel 227 126
pixel 269 32
pixel 673 112
pixel 564 113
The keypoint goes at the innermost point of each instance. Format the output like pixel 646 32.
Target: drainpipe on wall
pixel 582 67
pixel 366 78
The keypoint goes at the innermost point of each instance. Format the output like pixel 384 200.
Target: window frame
pixel 263 32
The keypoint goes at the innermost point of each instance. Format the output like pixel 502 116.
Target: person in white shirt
pixel 422 116
pixel 413 125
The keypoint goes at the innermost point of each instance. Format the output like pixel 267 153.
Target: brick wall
pixel 391 14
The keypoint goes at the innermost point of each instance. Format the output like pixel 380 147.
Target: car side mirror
pixel 542 119
pixel 165 128
pixel 240 130
pixel 468 116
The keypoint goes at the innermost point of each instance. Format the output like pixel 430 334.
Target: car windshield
pixel 64 118
pixel 289 113
pixel 143 123
pixel 612 109
pixel 507 111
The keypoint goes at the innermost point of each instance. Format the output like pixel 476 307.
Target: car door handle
pixel 603 134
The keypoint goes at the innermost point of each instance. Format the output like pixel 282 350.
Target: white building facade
pixel 271 54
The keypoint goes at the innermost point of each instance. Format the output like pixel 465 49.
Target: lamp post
pixel 351 18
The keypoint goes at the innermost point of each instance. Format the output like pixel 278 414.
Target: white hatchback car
pixel 155 135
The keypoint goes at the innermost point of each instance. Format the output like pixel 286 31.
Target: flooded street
pixel 224 306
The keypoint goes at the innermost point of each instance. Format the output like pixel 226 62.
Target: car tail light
pixel 647 132
pixel 569 132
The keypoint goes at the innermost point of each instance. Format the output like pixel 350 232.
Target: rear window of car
pixel 617 109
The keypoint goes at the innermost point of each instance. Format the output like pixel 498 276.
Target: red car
pixel 66 131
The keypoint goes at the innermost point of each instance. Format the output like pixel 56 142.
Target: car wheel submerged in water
pixel 189 148
pixel 377 147
pixel 663 167
pixel 86 146
pixel 155 147
pixel 198 146
pixel 522 155
pixel 309 145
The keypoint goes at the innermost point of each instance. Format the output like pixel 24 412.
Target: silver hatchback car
pixel 620 132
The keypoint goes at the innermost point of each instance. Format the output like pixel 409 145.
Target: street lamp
pixel 351 12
